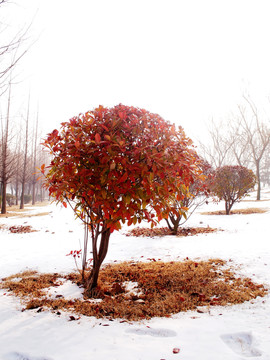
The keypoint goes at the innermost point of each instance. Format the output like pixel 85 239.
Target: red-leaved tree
pixel 114 165
pixel 232 183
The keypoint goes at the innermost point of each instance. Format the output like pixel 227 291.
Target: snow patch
pixel 131 288
pixel 95 301
pixel 67 289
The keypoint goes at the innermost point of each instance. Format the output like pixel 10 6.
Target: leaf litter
pixel 163 231
pixel 161 289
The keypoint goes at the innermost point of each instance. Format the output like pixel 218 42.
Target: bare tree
pixel 217 151
pixel 7 156
pixel 14 45
pixel 240 150
pixel 12 49
pixel 257 135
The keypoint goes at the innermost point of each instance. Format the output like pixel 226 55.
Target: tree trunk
pixel 22 196
pixel 17 192
pixel 4 170
pixel 173 223
pixel 25 156
pixel 34 164
pixel 91 283
pixel 228 207
pixel 4 198
pixel 33 193
pixel 258 180
pixel 99 255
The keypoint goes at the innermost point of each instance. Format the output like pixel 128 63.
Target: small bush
pixel 11 199
pixel 27 199
pixel 232 183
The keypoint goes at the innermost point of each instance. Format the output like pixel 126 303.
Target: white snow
pixel 219 333
pixel 66 289
pixel 131 288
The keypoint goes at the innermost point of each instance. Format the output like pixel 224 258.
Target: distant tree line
pixel 20 152
pixel 21 156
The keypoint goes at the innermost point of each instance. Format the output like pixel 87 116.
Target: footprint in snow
pixel 241 343
pixel 21 356
pixel 152 332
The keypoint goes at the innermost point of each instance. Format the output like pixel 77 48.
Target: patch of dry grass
pixel 30 283
pixel 238 211
pixel 18 229
pixel 37 214
pixel 163 231
pixel 159 289
pixel 21 229
pixel 15 210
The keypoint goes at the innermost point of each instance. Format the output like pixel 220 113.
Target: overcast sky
pixel 188 61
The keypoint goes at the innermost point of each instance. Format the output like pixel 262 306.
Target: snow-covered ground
pixel 220 333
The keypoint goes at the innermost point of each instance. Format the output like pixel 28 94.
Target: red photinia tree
pixel 117 164
pixel 191 197
pixel 232 183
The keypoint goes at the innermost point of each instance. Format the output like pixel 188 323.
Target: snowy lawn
pixel 226 333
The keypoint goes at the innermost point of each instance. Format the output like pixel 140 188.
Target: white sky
pixel 188 61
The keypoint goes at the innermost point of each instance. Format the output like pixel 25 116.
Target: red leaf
pixel 122 115
pixel 123 178
pixel 97 138
pixel 105 127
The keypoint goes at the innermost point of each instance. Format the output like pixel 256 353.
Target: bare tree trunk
pixel 173 222
pixel 98 258
pixel 227 208
pixel 258 175
pixel 34 180
pixel 4 175
pixel 25 157
pixel 17 191
pixel 4 198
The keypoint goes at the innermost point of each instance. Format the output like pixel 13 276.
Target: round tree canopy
pixel 119 163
